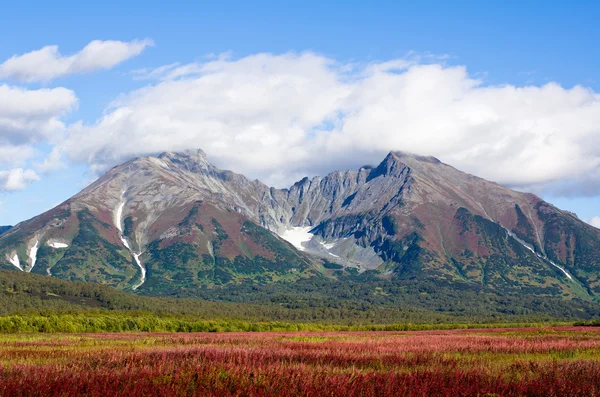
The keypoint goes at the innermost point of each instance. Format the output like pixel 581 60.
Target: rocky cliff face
pixel 175 221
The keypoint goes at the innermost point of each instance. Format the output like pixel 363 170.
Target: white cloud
pixel 27 118
pixel 15 155
pixel 279 117
pixel 594 221
pixel 29 115
pixel 17 179
pixel 242 110
pixel 52 162
pixel 47 63
pixel 159 73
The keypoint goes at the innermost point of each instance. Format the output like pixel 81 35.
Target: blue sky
pixel 497 43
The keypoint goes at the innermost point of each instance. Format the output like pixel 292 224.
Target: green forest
pixel 35 303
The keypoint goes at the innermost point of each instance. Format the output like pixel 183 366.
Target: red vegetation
pixel 549 362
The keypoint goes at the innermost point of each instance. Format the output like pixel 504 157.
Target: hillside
pixel 175 225
pixel 324 302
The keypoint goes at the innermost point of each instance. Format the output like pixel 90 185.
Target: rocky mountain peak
pixel 188 159
pixel 187 154
pixel 406 156
pixel 392 165
pixel 185 221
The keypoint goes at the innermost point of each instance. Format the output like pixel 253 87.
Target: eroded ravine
pixel 118 219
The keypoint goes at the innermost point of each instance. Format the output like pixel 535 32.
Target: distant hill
pixel 4 229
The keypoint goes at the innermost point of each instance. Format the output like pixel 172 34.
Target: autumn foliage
pixel 551 361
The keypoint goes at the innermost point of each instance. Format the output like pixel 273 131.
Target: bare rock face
pixel 177 222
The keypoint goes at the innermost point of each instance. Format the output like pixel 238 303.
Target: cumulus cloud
pixel 15 155
pixel 29 115
pixel 594 221
pixel 280 117
pixel 47 63
pixel 17 179
pixel 27 118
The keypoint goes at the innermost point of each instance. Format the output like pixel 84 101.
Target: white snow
pixel 524 244
pixel 143 270
pixel 119 215
pixel 297 235
pixel 125 243
pixel 33 254
pixel 530 248
pixel 58 245
pixel 561 269
pixel 15 261
pixel 327 246
pixel 118 221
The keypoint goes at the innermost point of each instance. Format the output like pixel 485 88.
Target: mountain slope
pixel 175 224
pixel 320 302
pixel 4 229
pixel 165 222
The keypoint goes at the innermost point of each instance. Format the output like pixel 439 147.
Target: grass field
pixel 548 361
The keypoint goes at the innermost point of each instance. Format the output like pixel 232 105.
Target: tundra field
pixel 548 361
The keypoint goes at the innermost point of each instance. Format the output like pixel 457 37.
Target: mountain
pixel 4 229
pixel 176 224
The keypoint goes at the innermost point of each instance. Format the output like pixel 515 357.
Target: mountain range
pixel 174 224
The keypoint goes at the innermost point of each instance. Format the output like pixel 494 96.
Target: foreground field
pixel 551 361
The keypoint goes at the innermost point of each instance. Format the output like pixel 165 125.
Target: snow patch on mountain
pixel 33 254
pixel 136 257
pixel 327 246
pixel 118 220
pixel 560 268
pixel 530 248
pixel 119 213
pixel 297 236
pixel 55 244
pixel 15 262
pixel 125 243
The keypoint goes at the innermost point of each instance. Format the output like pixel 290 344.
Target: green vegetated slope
pixel 413 240
pixel 33 303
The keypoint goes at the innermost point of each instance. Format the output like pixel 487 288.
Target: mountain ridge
pixel 173 221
